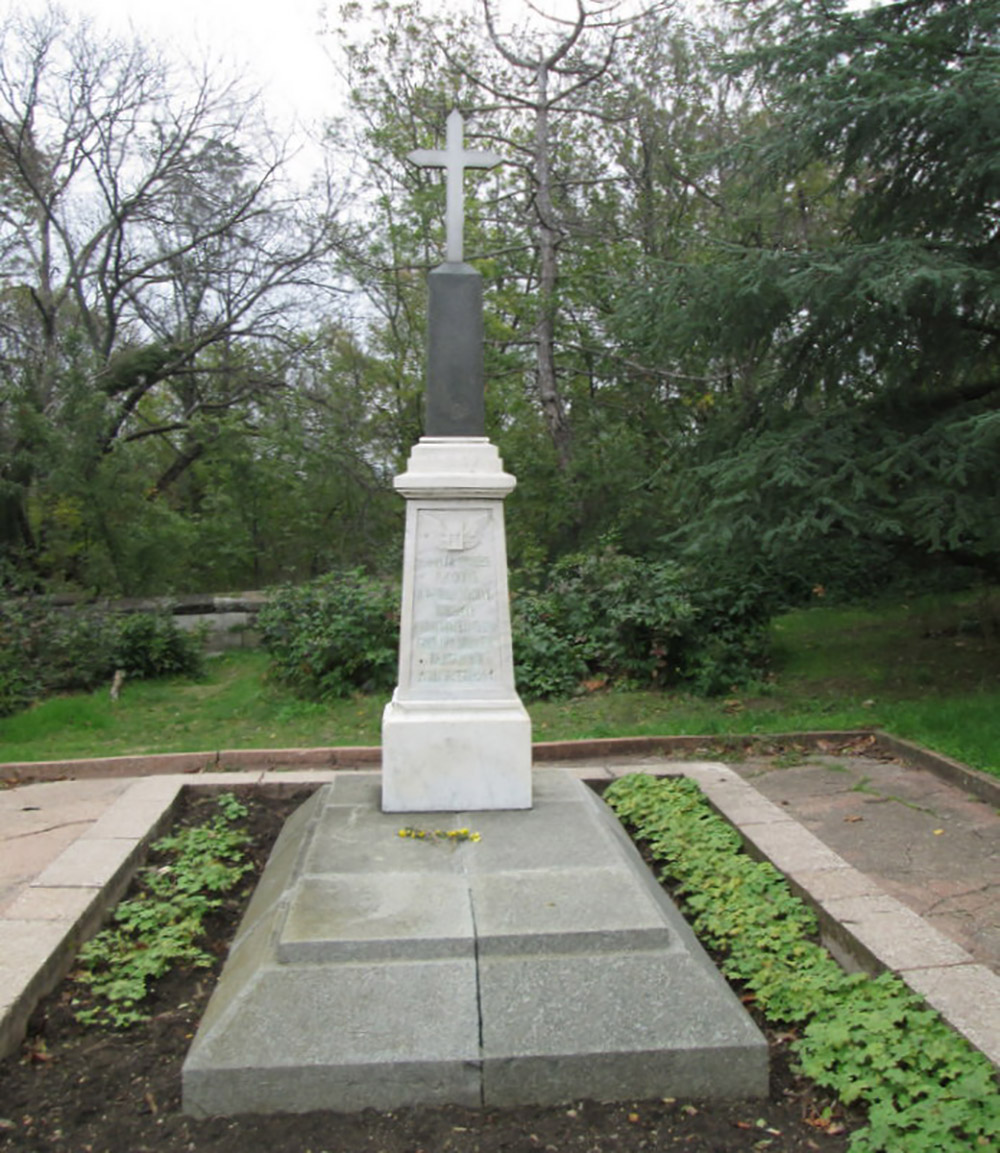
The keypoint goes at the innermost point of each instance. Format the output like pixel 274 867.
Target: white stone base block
pixel 456 759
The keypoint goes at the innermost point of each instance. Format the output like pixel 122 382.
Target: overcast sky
pixel 274 43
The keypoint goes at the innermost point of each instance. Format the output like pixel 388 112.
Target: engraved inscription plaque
pixel 456 622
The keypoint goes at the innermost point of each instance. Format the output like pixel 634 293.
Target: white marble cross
pixel 454 159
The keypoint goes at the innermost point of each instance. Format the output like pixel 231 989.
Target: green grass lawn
pixel 928 670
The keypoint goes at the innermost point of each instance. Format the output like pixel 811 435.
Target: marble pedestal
pixel 455 736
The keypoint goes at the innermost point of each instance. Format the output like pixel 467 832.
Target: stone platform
pixel 539 964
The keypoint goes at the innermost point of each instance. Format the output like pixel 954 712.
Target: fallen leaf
pixel 633 1117
pixel 37 1052
pixel 852 819
pixel 938 832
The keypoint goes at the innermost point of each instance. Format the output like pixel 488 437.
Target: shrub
pixel 546 661
pixel 727 642
pixel 336 635
pixel 603 616
pixel 19 674
pixel 149 646
pixel 46 650
pixel 637 621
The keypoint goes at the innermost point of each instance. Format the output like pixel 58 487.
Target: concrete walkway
pixel 903 867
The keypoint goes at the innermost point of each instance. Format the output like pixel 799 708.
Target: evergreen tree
pixel 848 298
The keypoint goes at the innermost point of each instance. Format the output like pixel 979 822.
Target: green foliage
pixel 832 324
pixel 334 636
pixel 160 928
pixel 610 617
pixel 46 650
pixel 149 645
pixel 634 621
pixel 547 662
pixel 871 1040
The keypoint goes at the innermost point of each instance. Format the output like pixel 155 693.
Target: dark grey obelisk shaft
pixel 455 384
pixel 455 378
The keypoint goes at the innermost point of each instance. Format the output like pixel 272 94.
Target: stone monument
pixel 455 735
pixel 538 962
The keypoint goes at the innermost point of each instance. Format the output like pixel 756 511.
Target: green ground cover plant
pixel 163 925
pixel 869 1039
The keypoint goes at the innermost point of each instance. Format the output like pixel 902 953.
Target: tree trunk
pixel 553 408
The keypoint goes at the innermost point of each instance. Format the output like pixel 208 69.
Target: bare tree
pixel 551 75
pixel 144 233
pixel 556 76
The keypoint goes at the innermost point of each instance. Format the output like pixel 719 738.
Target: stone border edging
pixel 981 785
pixel 46 924
pixel 862 926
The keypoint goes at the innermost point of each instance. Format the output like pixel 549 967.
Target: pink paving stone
pixel 38 822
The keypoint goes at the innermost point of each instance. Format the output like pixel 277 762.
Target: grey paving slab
pixel 968 996
pixel 133 818
pixel 49 904
pixel 554 835
pixel 32 955
pixel 894 934
pixel 462 973
pixel 26 946
pixel 791 848
pixel 356 788
pixel 377 917
pixel 357 838
pixel 299 1037
pixel 285 862
pixel 569 910
pixel 633 1024
pixel 824 886
pixel 90 863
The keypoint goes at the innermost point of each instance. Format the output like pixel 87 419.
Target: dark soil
pixel 89 1091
